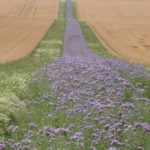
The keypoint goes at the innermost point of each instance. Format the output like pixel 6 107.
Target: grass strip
pixel 94 42
pixel 15 76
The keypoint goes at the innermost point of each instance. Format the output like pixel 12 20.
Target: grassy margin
pixel 15 76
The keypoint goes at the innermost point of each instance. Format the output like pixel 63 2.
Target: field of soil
pixel 123 26
pixel 23 23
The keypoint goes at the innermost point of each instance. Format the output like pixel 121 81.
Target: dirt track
pixel 23 23
pixel 123 26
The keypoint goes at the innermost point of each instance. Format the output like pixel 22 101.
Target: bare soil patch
pixel 123 26
pixel 23 23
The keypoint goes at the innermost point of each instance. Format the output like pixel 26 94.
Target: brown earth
pixel 123 26
pixel 23 23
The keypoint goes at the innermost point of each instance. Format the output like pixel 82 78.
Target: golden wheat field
pixel 123 26
pixel 23 23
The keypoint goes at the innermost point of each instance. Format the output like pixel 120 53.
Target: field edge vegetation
pixel 91 37
pixel 101 51
pixel 59 119
pixel 15 76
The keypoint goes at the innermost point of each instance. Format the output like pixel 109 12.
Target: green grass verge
pixel 94 43
pixel 74 9
pixel 14 77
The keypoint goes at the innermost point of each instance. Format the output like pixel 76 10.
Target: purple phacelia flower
pixel 61 131
pixel 116 125
pixel 127 105
pixel 89 127
pixel 13 128
pixel 24 148
pixel 140 90
pixel 112 148
pixel 2 146
pixel 117 143
pixel 53 104
pixel 93 148
pixel 78 136
pixel 139 148
pixel 142 99
pixel 81 145
pixel 107 126
pixel 26 141
pixel 16 145
pixel 51 115
pixel 32 125
pixel 144 126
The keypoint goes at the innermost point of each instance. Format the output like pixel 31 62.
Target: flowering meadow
pixel 83 102
pixel 89 103
pixel 15 76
